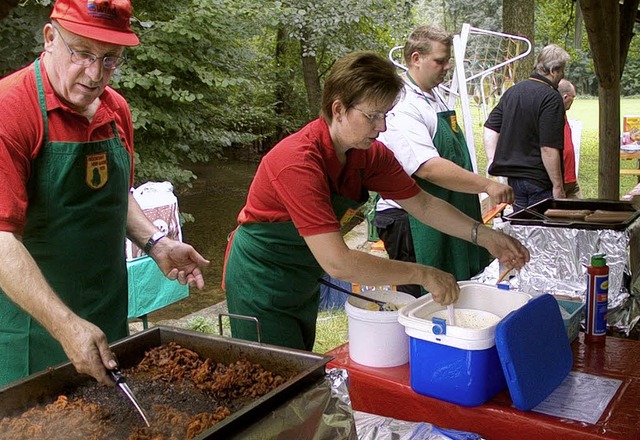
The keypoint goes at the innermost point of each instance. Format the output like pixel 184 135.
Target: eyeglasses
pixel 86 59
pixel 373 118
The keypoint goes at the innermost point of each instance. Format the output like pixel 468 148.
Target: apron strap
pixel 41 100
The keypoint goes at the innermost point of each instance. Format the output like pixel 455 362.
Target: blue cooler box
pixel 463 363
pixel 464 377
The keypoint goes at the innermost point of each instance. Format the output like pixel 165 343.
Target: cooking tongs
pixel 121 383
pixel 382 305
pixel 532 212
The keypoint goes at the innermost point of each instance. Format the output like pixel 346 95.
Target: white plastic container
pixel 417 316
pixel 376 338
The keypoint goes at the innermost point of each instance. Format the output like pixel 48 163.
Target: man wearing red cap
pixel 66 167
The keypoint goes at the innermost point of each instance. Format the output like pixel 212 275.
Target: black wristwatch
pixel 155 238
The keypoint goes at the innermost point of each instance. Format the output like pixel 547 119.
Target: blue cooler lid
pixel 534 351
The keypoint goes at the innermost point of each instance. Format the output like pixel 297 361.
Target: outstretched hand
pixel 179 261
pixel 508 250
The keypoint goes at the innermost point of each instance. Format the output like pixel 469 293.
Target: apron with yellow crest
pixel 75 231
pixel 433 248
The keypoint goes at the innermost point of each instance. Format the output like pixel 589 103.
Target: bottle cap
pixel 598 260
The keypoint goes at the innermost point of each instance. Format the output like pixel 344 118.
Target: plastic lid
pixel 534 351
pixel 598 260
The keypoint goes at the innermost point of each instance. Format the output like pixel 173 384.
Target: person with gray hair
pixel 66 143
pixel 425 138
pixel 524 134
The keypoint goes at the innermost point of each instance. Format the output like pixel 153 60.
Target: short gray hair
pixel 551 57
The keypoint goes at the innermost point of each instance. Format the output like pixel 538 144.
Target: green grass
pixel 585 110
pixel 331 330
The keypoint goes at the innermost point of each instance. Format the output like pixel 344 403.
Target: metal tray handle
pixel 246 318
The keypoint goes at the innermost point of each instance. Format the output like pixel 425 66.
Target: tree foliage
pixel 212 76
pixel 324 30
pixel 185 82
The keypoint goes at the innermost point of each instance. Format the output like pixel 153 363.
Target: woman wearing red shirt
pixel 312 182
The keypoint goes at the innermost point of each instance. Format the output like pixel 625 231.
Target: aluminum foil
pixel 321 412
pixel 559 260
pixel 374 427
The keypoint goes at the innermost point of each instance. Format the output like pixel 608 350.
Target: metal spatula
pixel 121 383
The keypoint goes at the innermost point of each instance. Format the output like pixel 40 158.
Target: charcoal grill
pixel 303 369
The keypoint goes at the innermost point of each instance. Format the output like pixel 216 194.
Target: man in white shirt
pixel 427 141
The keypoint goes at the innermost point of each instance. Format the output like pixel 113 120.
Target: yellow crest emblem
pixel 454 123
pixel 347 216
pixel 97 170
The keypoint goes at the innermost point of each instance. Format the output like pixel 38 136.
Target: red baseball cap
pixel 101 20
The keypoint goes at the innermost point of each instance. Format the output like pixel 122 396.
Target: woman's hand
pixel 442 285
pixel 508 250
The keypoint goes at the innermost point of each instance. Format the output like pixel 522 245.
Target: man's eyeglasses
pixel 86 59
pixel 373 118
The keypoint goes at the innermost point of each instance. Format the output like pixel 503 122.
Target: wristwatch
pixel 155 238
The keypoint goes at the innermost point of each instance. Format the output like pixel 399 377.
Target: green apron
pixel 432 247
pixel 272 275
pixel 75 231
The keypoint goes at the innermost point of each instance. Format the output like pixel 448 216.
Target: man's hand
pixel 179 261
pixel 87 348
pixel 558 193
pixel 499 192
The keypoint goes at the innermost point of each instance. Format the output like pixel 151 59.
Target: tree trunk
pixel 518 19
pixel 602 21
pixel 312 83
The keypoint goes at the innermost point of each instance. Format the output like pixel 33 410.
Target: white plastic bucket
pixel 376 338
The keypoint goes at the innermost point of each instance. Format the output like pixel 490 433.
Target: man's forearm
pixel 490 140
pixel 553 164
pixel 139 227
pixel 23 282
pixel 448 175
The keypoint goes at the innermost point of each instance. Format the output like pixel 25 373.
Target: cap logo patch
pixel 102 10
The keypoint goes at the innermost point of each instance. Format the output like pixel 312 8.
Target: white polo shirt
pixel 411 128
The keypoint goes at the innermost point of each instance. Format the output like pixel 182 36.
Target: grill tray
pixel 304 369
pixel 526 218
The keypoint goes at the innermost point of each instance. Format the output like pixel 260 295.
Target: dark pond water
pixel 215 200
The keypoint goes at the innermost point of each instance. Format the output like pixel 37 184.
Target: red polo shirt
pixel 294 180
pixel 22 134
pixel 568 155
